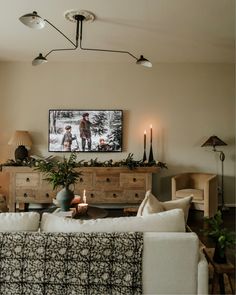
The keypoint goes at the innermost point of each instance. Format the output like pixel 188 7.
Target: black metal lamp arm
pixel 80 21
pixel 59 31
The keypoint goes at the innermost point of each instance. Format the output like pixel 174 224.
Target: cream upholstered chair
pixel 203 188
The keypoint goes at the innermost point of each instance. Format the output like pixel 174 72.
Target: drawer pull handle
pixel 47 195
pixel 27 179
pixel 92 195
pixel 108 180
pixel 81 180
pixel 114 195
pixel 25 195
pixel 134 179
pixel 136 195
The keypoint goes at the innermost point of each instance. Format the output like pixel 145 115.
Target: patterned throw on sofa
pixel 70 263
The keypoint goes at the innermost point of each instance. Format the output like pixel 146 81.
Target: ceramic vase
pixel 219 254
pixel 64 198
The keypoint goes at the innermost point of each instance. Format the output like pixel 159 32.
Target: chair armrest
pixel 211 195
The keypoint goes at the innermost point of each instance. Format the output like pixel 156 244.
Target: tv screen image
pixel 85 130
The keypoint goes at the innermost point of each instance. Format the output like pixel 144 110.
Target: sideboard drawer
pixel 114 197
pixel 134 196
pixel 133 180
pixel 27 179
pixel 107 181
pixel 46 196
pixel 85 181
pixel 26 195
pixel 93 196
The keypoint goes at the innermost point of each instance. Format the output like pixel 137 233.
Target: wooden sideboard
pixel 103 185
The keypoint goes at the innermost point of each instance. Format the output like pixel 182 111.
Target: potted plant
pixel 61 174
pixel 222 237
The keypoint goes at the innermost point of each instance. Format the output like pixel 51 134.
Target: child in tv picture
pixel 67 139
pixel 103 146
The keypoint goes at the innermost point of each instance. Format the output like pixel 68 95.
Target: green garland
pixel 128 162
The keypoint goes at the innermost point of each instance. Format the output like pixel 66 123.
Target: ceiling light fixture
pixel 34 21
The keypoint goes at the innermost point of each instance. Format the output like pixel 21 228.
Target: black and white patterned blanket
pixel 71 264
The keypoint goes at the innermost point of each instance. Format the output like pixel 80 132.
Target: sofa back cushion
pixel 24 221
pixel 169 221
pixel 151 204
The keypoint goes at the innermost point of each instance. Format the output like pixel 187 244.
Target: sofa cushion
pixel 169 221
pixel 151 204
pixel 24 221
pixel 183 204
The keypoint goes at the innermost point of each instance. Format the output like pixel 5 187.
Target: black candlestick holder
pixel 150 159
pixel 144 156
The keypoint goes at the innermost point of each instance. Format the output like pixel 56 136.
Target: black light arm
pixel 60 49
pixel 59 31
pixel 80 19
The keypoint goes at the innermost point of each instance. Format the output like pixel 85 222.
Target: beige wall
pixel 185 103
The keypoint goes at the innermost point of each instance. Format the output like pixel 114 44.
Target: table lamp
pixel 21 139
pixel 216 141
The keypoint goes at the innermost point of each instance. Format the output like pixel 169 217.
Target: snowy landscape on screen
pixel 106 126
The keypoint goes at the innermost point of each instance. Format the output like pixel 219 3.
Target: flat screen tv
pixel 85 130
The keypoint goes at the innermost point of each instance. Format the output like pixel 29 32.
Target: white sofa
pixel 171 263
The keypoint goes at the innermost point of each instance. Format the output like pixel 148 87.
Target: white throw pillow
pixel 169 221
pixel 151 204
pixel 183 203
pixel 24 221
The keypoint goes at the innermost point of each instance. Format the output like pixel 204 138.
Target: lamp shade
pixel 144 62
pixel 21 137
pixel 214 141
pixel 40 59
pixel 32 20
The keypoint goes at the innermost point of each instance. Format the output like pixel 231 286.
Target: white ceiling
pixel 161 30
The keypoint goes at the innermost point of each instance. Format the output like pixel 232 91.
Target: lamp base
pixel 21 153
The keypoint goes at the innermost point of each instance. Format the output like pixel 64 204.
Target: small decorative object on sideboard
pixel 61 174
pixel 222 237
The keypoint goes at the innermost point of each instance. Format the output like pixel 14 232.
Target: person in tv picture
pixel 67 139
pixel 85 131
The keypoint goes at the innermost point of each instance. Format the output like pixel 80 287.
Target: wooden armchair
pixel 203 188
